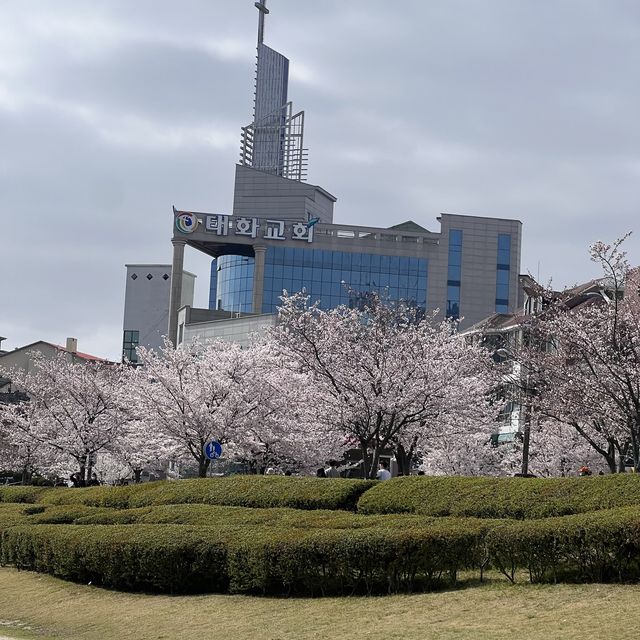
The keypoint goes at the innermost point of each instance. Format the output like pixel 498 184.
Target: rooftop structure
pixel 273 142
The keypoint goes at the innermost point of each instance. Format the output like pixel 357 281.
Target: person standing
pixel 383 471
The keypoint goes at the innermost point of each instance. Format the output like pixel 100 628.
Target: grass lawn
pixel 40 606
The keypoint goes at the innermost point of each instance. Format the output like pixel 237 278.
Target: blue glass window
pixel 326 276
pixel 454 271
pixel 213 285
pixel 503 272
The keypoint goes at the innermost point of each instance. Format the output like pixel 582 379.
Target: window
pixel 454 273
pixel 325 275
pixel 129 343
pixel 503 273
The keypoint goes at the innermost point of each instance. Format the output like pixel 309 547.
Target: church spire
pixel 261 6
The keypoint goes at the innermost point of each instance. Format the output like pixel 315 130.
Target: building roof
pixel 410 226
pixel 77 354
pixel 576 296
pixel 497 323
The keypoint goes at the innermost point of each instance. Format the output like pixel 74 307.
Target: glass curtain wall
pixel 503 272
pixel 454 273
pixel 328 275
pixel 234 284
pixel 325 275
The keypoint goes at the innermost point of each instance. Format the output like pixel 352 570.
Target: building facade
pixel 146 306
pixel 468 270
pixel 281 236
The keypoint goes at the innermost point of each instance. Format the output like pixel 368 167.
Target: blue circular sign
pixel 213 450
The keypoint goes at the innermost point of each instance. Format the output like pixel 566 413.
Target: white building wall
pixel 146 305
pixel 238 330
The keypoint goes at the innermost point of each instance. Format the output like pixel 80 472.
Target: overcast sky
pixel 112 111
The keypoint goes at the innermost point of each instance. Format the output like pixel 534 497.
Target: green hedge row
pixel 219 516
pixel 202 515
pixel 242 491
pixel 184 558
pixel 519 498
pixel 172 559
pixel 11 515
pixel 313 552
pixel 21 494
pixel 600 547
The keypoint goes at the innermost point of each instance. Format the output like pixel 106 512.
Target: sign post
pixel 212 450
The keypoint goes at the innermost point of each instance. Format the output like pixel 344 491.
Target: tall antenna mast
pixel 262 8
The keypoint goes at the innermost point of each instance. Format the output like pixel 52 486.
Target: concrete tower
pixel 273 141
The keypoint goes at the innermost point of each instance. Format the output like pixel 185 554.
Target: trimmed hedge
pixel 518 498
pixel 184 558
pixel 63 514
pixel 280 551
pixel 375 560
pixel 21 494
pixel 594 547
pixel 11 515
pixel 173 559
pixel 241 491
pixel 202 515
pixel 219 516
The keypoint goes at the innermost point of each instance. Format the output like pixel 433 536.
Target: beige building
pixel 23 358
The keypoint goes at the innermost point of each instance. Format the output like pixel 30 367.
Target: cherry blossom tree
pixel 470 455
pixel 558 449
pixel 383 377
pixel 74 411
pixel 283 430
pixel 215 391
pixel 585 353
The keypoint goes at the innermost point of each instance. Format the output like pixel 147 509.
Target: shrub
pixel 599 546
pixel 257 491
pixel 114 497
pixel 12 514
pixel 21 494
pixel 61 514
pixel 519 498
pixel 221 516
pixel 184 558
pixel 160 558
pixel 241 491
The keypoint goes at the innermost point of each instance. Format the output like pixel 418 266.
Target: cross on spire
pixel 261 6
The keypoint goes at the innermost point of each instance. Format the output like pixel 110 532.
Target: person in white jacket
pixel 383 471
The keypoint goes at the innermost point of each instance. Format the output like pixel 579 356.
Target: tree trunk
pixel 89 468
pixel 365 461
pixel 403 459
pixel 610 457
pixel 373 470
pixel 136 475
pixel 203 466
